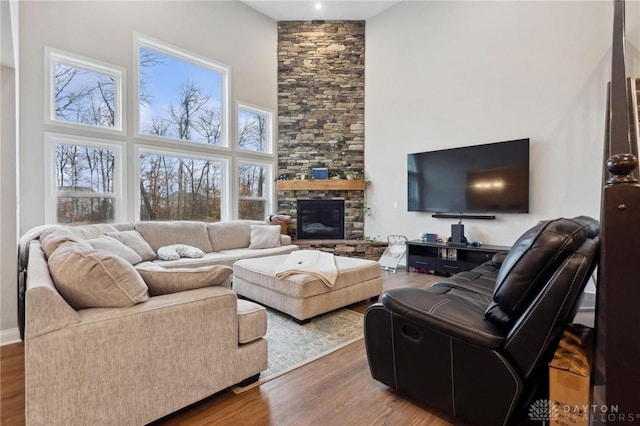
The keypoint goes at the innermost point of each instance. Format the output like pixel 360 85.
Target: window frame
pixel 225 190
pixel 53 56
pixel 269 159
pixel 119 174
pixel 141 40
pixel 269 114
pixel 126 195
pixel 269 185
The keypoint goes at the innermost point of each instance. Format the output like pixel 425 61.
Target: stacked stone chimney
pixel 321 110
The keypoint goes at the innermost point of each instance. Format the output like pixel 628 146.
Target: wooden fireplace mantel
pixel 321 185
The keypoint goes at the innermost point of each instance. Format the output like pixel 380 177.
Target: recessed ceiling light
pixel 318 6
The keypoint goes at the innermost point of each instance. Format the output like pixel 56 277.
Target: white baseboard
pixel 9 336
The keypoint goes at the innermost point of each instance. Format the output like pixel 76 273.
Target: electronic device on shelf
pixel 489 178
pixel 457 235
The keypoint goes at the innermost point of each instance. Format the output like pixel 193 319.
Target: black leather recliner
pixel 475 345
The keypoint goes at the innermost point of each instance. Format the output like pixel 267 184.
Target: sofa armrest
pixel 452 311
pixel 498 258
pixel 45 309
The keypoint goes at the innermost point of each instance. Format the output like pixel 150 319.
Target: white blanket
pixel 312 262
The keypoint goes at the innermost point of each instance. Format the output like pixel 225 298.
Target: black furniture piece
pixel 446 259
pixel 476 344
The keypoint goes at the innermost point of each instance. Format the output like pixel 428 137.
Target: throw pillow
pixel 164 281
pixel 89 278
pixel 264 236
pixel 176 251
pixel 135 242
pixel 116 247
pixel 55 239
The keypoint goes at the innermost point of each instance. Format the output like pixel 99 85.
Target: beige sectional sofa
pixel 144 354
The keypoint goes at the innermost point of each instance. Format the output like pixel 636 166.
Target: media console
pixel 447 259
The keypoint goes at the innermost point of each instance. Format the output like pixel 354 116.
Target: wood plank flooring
pixel 334 390
pixel 12 384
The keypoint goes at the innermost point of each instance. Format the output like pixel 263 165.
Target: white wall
pixel 227 32
pixel 449 74
pixel 8 184
pixel 8 223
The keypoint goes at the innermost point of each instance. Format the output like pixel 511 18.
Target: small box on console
pixel 430 238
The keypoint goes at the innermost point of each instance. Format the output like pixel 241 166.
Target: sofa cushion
pixel 209 259
pixel 528 264
pixel 229 235
pixel 135 242
pixel 116 247
pixel 247 253
pixel 264 236
pixel 176 251
pixel 160 234
pixel 89 278
pixel 164 281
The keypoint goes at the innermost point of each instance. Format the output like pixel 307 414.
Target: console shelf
pixel 447 259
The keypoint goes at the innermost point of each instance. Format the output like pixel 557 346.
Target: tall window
pixel 177 187
pixel 85 177
pixel 181 96
pixel 83 92
pixel 189 164
pixel 253 179
pixel 255 161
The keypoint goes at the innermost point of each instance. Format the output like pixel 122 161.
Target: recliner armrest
pixel 498 258
pixel 456 312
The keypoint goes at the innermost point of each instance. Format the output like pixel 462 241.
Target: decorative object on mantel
pixel 320 173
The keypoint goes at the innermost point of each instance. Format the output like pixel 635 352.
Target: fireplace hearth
pixel 320 219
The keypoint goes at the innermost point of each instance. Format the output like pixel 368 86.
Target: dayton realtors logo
pixel 544 410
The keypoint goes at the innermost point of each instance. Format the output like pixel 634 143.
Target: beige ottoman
pixel 304 296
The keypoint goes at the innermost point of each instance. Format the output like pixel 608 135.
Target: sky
pixel 165 80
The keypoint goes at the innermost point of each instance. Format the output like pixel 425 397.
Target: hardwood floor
pixel 12 384
pixel 334 390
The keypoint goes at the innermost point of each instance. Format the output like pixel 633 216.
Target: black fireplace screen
pixel 320 219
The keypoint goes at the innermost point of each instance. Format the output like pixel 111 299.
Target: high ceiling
pixel 309 10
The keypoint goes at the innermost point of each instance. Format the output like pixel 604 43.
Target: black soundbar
pixel 462 216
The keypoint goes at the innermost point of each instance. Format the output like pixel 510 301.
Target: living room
pixel 437 75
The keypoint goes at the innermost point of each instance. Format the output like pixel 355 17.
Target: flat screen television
pixel 489 178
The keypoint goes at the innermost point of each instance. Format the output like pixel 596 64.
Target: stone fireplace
pixel 294 195
pixel 320 219
pixel 321 117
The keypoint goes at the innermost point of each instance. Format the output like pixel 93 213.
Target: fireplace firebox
pixel 320 220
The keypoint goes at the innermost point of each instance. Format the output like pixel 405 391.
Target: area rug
pixel 292 345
